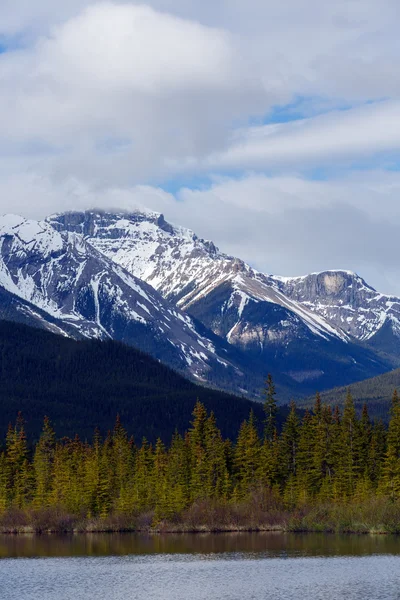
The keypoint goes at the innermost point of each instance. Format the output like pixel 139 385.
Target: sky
pixel 272 128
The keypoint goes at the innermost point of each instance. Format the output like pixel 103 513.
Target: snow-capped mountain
pixel 254 312
pixel 346 301
pixel 188 269
pixel 60 278
pixel 185 268
pixel 16 309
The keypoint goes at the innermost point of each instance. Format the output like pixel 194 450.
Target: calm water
pixel 200 567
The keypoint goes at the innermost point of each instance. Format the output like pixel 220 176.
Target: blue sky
pixel 232 118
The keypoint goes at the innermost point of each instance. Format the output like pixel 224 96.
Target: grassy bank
pixel 377 515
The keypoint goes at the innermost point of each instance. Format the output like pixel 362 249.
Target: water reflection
pixel 269 544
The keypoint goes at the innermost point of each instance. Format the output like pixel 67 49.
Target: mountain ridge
pixel 184 267
pixel 64 276
pixel 260 314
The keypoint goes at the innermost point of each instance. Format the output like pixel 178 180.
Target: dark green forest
pixel 178 456
pixel 326 461
pixel 376 392
pixel 81 385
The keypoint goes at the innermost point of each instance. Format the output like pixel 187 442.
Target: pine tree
pixel 197 441
pixel 247 458
pixel 105 493
pixel 122 461
pixel 290 441
pixel 17 467
pixel 4 492
pixel 376 455
pixel 178 473
pixel 217 482
pixel 43 465
pixel 160 483
pixel 365 440
pixel 142 496
pixel 349 454
pixel 270 408
pixel 391 468
pixel 305 459
pixel 325 431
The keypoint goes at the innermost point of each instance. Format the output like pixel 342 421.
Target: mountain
pixel 181 266
pixel 276 329
pixel 13 308
pixel 348 303
pixel 80 385
pixel 61 280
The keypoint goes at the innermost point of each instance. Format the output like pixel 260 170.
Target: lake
pixel 245 566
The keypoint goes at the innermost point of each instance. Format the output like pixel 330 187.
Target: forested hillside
pixel 376 392
pixel 81 385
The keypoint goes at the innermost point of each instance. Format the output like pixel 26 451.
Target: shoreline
pixel 31 531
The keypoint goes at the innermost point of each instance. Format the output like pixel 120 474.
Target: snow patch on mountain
pixel 344 299
pixel 180 265
pixel 62 274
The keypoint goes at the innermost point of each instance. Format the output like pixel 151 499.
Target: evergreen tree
pixel 197 443
pixel 17 468
pixel 43 465
pixel 217 482
pixel 305 459
pixel 270 408
pixel 247 458
pixel 122 460
pixel 324 457
pixel 178 474
pixel 391 468
pixel 376 454
pixel 289 455
pixel 349 455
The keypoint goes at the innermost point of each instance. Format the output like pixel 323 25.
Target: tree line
pixel 324 456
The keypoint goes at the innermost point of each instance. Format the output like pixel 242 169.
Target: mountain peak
pixel 331 282
pixel 138 240
pixel 187 270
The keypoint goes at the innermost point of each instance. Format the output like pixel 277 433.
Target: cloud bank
pixel 238 107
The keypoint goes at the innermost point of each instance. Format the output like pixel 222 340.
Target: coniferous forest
pixel 328 470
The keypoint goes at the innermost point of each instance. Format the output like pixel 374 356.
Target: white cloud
pixel 103 97
pixel 335 137
pixel 164 85
pixel 121 93
pixel 291 226
pixel 280 225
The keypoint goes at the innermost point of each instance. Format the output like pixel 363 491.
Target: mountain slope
pixel 375 392
pixel 246 308
pixel 65 277
pixel 14 308
pixel 177 263
pixel 69 381
pixel 347 302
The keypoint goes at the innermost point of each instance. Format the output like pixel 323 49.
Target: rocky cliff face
pixel 346 301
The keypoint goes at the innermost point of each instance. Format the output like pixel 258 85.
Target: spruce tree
pixel 18 469
pixel 197 442
pixel 217 477
pixel 391 468
pixel 270 408
pixel 289 455
pixel 305 459
pixel 349 455
pixel 247 458
pixel 43 465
